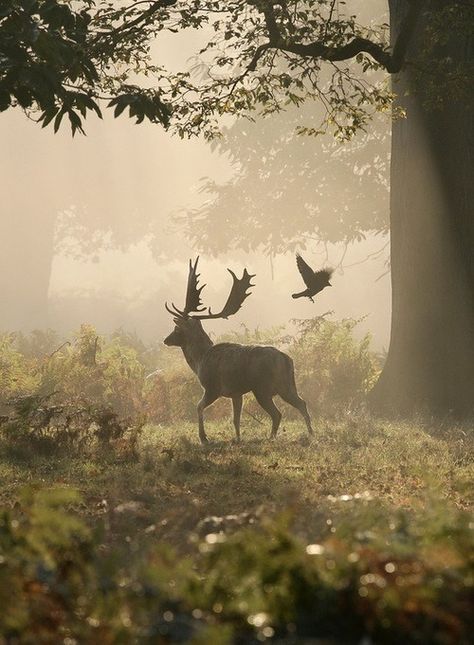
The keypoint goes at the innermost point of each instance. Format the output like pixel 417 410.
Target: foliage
pixel 259 584
pixel 44 566
pixel 55 581
pixel 271 581
pixel 80 389
pixel 265 57
pixel 292 190
pixel 60 58
pixel 335 371
pixel 363 532
pixel 93 386
pixel 15 375
pixel 442 62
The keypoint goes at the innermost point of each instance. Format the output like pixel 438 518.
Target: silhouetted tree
pixel 431 356
pixel 292 190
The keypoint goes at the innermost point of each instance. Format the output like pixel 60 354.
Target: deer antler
pixel 193 295
pixel 236 298
pixel 193 304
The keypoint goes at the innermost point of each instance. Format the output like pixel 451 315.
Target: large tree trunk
pixel 26 253
pixel 430 363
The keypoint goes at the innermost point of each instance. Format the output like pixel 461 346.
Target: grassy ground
pixel 170 483
pixel 362 533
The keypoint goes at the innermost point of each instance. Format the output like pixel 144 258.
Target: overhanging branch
pixel 392 61
pixel 141 19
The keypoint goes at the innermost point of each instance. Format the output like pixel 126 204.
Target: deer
pixel 231 369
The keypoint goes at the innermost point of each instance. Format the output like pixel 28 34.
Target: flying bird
pixel 315 281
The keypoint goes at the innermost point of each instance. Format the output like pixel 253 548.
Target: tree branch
pixel 143 17
pixel 357 45
pixel 391 61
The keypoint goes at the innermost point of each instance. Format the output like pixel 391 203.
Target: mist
pixel 111 198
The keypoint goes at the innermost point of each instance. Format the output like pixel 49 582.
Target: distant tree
pixel 290 190
pixel 59 62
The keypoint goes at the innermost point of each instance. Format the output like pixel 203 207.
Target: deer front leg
pixel 206 400
pixel 237 406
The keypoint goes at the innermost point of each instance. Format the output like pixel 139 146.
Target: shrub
pixel 92 386
pixel 334 370
pixel 58 581
pixel 87 389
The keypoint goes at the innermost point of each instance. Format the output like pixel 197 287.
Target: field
pixel 388 501
pixel 117 528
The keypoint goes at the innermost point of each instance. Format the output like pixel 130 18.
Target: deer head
pixel 188 320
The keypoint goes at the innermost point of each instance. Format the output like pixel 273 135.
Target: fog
pixel 125 255
pixel 89 232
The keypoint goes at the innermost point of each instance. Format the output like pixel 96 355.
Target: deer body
pixel 231 370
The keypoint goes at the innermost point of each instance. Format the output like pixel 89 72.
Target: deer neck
pixel 195 348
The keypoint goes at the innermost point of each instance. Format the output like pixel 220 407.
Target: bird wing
pixel 306 271
pixel 324 273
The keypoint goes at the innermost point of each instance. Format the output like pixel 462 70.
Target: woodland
pixel 116 525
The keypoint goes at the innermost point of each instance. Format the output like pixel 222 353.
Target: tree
pixel 431 356
pixel 291 190
pixel 277 49
pixel 266 54
pixel 59 62
pixel 61 58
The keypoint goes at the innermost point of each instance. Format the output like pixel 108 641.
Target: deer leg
pixel 237 406
pixel 269 406
pixel 206 401
pixel 298 403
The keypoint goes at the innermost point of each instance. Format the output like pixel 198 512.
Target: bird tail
pixel 297 295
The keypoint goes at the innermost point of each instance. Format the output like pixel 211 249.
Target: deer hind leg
pixel 237 406
pixel 297 402
pixel 266 401
pixel 205 402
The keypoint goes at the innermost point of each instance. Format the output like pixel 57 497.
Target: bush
pixel 334 370
pixel 86 389
pixel 97 387
pixel 58 581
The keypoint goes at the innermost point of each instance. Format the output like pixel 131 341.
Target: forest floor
pixel 170 483
pixel 361 533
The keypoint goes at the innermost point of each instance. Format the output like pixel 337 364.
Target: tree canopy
pixel 60 58
pixel 292 191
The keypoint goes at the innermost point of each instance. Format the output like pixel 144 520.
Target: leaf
pixel 76 123
pixel 58 119
pixel 48 115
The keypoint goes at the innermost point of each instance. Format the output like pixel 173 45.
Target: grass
pixel 362 531
pixel 171 483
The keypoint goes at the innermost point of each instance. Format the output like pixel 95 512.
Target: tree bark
pixel 430 362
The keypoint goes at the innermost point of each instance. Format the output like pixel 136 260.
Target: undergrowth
pixel 118 527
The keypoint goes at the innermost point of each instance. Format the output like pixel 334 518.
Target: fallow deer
pixel 230 369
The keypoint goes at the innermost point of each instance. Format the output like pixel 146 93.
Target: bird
pixel 315 281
